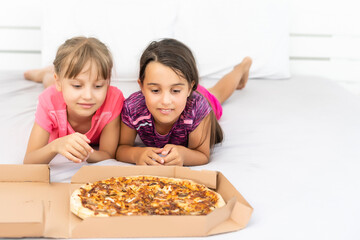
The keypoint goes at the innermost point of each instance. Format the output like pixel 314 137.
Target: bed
pixel 291 143
pixel 291 148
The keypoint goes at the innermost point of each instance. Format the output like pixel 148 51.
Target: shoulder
pixel 135 109
pixel 114 92
pixel 196 104
pixel 196 109
pixel 135 99
pixel 52 99
pixel 114 98
pixel 49 93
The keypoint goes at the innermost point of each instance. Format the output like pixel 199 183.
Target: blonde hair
pixel 76 52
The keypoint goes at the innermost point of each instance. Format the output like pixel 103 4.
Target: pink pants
pixel 215 104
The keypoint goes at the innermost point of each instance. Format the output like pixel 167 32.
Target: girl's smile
pixel 86 105
pixel 165 111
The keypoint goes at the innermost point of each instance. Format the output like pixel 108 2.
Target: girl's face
pixel 165 93
pixel 83 94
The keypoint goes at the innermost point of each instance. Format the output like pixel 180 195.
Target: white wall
pixel 20 34
pixel 324 38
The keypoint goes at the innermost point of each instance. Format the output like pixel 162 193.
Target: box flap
pixel 96 173
pixel 238 219
pixel 206 177
pixel 149 226
pixel 24 173
pixel 227 190
pixel 241 212
pixel 220 215
pixel 57 222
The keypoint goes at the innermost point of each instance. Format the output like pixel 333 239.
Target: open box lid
pixel 25 215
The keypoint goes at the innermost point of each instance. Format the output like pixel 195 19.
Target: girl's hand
pixel 74 147
pixel 150 156
pixel 172 155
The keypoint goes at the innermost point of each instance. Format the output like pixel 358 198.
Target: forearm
pixel 129 154
pixel 193 157
pixel 40 156
pixel 98 156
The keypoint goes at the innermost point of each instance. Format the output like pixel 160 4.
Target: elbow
pixel 26 160
pixel 206 160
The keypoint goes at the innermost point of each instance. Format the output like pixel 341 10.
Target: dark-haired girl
pixel 174 116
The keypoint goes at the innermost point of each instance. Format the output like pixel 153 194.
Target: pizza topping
pixel 146 195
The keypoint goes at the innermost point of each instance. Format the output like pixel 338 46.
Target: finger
pixel 79 149
pixel 152 162
pixel 149 161
pixel 157 150
pixel 72 158
pixel 81 139
pixel 175 161
pixel 166 150
pixel 156 158
pixel 73 151
pixel 84 137
pixel 169 158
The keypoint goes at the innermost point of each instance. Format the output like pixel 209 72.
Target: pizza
pixel 143 195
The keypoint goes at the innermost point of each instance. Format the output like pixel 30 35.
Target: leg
pixel 236 79
pixel 42 75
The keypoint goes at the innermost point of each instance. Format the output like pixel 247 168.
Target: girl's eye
pixel 154 90
pixel 76 86
pixel 176 91
pixel 99 86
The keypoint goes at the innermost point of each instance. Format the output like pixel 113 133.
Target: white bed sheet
pixel 291 149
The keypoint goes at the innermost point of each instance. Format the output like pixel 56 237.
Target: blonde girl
pixel 174 116
pixel 81 110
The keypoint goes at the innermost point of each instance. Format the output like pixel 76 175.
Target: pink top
pixel 51 114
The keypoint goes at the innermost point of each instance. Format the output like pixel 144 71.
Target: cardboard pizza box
pixel 39 208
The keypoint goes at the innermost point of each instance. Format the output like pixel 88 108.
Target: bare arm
pixel 108 143
pixel 129 153
pixel 38 149
pixel 74 147
pixel 198 150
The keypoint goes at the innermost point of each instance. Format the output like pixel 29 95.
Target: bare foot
pixel 244 67
pixel 37 75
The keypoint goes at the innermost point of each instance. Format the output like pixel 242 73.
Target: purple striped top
pixel 136 115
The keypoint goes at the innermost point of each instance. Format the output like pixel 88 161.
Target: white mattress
pixel 291 149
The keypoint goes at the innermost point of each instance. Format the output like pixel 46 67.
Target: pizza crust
pixel 220 203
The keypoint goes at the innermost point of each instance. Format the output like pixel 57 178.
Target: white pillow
pixel 221 33
pixel 126 27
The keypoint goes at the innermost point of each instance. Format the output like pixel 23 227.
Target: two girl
pixel 174 116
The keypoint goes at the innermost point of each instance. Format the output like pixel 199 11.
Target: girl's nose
pixel 166 98
pixel 86 94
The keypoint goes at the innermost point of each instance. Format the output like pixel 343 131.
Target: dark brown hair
pixel 176 55
pixel 75 53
